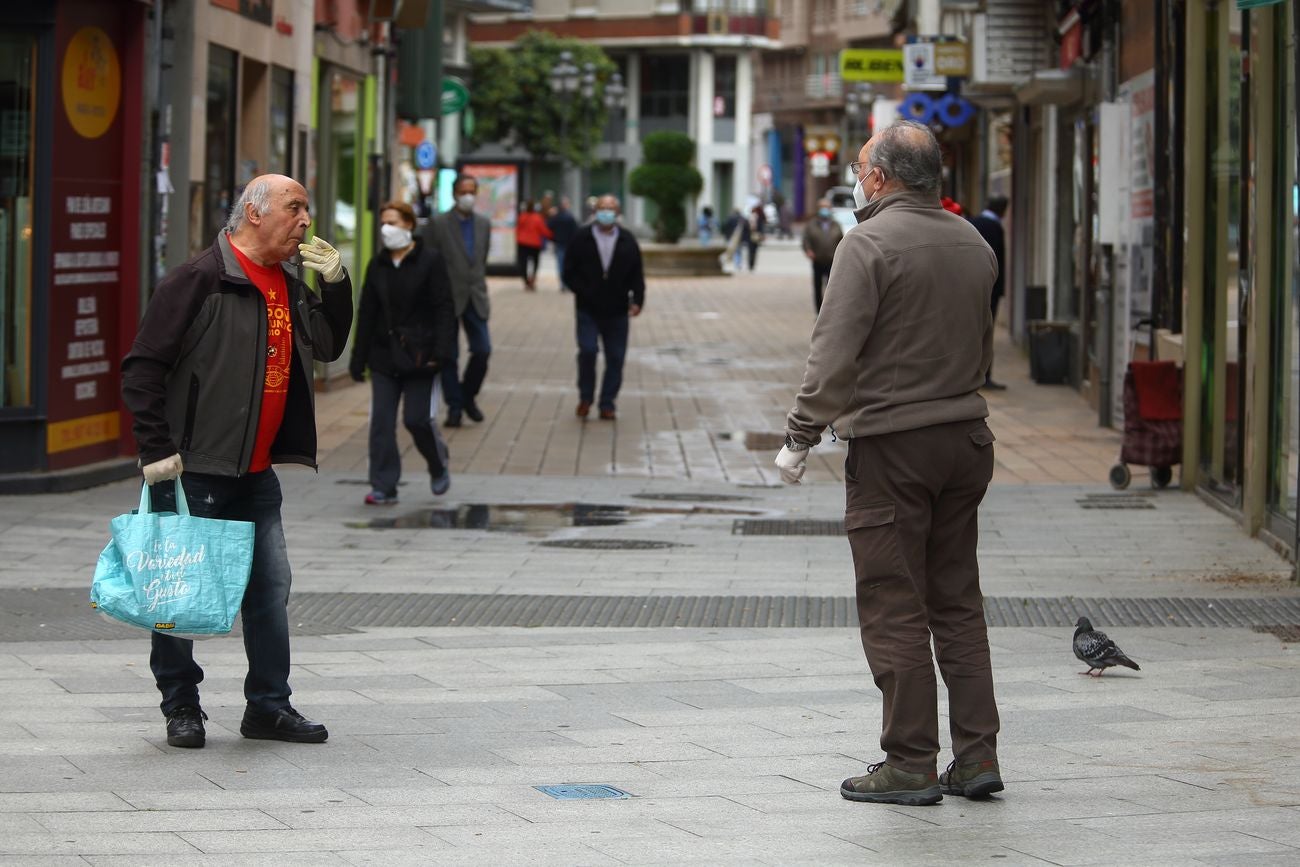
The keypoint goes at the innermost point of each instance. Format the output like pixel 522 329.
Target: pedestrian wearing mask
pixel 462 236
pixel 895 367
pixel 406 333
pixel 603 270
pixel 820 238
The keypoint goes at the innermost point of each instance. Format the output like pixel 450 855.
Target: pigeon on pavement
pixel 1097 650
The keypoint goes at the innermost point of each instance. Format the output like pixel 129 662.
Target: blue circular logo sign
pixel 425 155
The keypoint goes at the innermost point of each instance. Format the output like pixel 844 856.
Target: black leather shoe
pixel 453 419
pixel 185 727
pixel 474 413
pixel 285 724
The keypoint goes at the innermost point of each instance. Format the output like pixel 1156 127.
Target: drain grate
pixel 1115 501
pixel 691 498
pixel 39 615
pixel 775 527
pixel 582 791
pixel 1285 634
pixel 611 544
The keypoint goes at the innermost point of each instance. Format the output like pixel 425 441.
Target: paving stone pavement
pixel 732 742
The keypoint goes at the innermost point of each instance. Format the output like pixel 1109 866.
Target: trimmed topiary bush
pixel 667 178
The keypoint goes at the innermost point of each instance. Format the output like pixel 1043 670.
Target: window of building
pixel 1223 333
pixel 17 116
pixel 281 154
pixel 219 140
pixel 665 92
pixel 1284 450
pixel 724 98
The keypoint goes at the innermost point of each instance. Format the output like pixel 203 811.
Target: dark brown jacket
pixel 905 334
pixel 821 242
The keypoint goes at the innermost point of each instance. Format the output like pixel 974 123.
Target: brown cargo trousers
pixel 912 520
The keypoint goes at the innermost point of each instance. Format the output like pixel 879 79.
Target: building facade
pixel 688 66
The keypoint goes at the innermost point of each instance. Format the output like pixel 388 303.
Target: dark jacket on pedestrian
pixel 564 226
pixel 194 377
pixel 990 229
pixel 821 237
pixel 415 295
pixel 729 227
pixel 467 269
pixel 597 291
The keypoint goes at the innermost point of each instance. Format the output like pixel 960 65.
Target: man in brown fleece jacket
pixel 897 359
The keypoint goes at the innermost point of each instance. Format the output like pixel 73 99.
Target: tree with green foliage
pixel 513 103
pixel 667 178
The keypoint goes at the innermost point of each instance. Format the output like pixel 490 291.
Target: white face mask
pixel 395 237
pixel 465 202
pixel 860 199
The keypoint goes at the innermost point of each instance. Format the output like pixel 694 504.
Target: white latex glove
pixel 792 463
pixel 161 471
pixel 323 259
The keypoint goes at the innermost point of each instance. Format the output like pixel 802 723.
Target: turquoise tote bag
pixel 172 572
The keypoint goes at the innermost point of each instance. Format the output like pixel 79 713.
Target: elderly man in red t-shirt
pixel 220 381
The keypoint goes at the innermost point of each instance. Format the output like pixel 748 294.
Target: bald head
pixel 907 156
pixel 608 202
pixel 270 219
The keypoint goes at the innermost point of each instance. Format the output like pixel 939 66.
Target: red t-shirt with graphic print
pixel 269 279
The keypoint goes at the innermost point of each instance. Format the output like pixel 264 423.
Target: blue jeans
pixel 418 394
pixel 460 391
pixel 611 331
pixel 255 497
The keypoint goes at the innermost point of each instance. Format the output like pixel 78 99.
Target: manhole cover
pixel 582 791
pixel 691 498
pixel 771 527
pixel 610 544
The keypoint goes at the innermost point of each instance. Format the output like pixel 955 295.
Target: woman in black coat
pixel 406 330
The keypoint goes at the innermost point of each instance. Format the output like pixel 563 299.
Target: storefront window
pixel 17 114
pixel 1224 330
pixel 341 194
pixel 281 161
pixel 219 141
pixel 1285 424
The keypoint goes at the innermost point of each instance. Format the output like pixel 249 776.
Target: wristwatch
pixel 794 446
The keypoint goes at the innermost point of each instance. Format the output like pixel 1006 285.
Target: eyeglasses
pixel 857 167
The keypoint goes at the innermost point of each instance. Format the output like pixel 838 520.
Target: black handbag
pixel 410 347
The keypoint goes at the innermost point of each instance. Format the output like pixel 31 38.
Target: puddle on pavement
pixel 529 517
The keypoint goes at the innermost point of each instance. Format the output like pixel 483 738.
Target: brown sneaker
pixel 887 785
pixel 583 409
pixel 976 780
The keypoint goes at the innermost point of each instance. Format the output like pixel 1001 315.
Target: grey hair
pixel 916 165
pixel 257 194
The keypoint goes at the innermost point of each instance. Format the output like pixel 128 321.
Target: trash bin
pixel 1049 352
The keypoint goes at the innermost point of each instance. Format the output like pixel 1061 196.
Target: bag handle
pixel 182 505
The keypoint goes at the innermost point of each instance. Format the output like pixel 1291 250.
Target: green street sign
pixel 455 96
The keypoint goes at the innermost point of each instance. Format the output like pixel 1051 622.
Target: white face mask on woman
pixel 395 237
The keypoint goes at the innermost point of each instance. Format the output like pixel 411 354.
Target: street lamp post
pixel 615 101
pixel 564 83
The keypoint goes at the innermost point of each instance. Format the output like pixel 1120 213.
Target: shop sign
pixel 86 261
pixel 455 96
pixel 919 71
pixel 952 59
pixel 820 164
pixel 92 82
pixel 872 64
